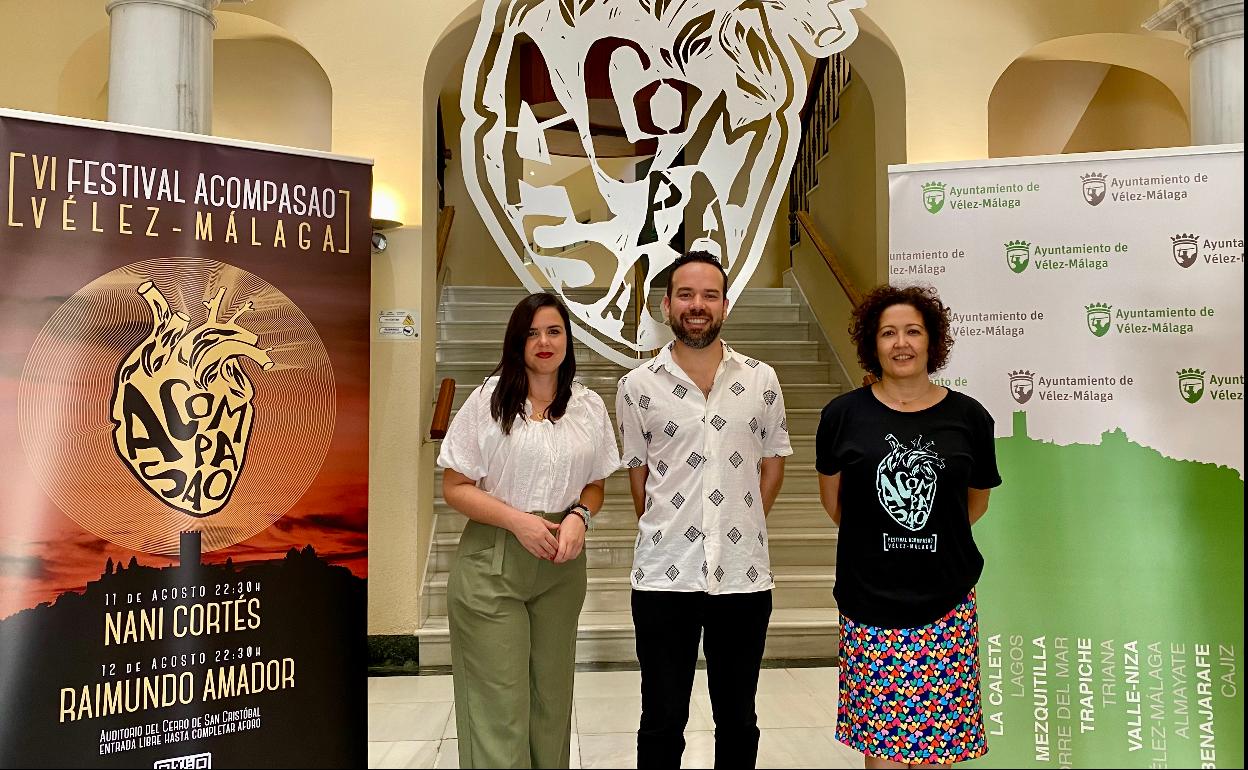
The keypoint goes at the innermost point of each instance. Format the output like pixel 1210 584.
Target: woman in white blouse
pixel 526 459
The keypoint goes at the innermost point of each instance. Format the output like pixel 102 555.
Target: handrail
pixel 817 74
pixel 825 251
pixel 442 410
pixel 834 264
pixel 445 217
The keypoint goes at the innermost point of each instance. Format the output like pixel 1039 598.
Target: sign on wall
pixel 1098 307
pixel 710 91
pixel 184 331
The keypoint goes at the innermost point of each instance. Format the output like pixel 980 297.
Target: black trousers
pixel 669 625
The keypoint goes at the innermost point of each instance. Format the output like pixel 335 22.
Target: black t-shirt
pixel 905 556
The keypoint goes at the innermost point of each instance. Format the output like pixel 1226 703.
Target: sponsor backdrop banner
pixel 1098 307
pixel 184 411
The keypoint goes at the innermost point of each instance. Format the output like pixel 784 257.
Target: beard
pixel 696 339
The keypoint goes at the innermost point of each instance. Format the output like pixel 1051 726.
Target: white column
pixel 1215 35
pixel 160 63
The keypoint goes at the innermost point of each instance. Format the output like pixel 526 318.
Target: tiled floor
pixel 411 721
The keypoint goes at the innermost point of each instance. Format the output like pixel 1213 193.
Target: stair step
pixel 513 294
pixel 763 312
pixel 793 633
pixel 811 396
pixel 789 372
pixel 734 331
pixel 788 547
pixel 450 351
pixel 798 480
pixel 609 589
pixel 769 324
pixel 619 516
pixel 801 422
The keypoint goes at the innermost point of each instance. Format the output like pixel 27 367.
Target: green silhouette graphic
pixel 1138 555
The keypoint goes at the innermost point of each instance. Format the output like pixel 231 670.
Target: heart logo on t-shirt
pixel 905 481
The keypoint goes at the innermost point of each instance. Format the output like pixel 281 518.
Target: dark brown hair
pixel 507 402
pixel 694 258
pixel 864 324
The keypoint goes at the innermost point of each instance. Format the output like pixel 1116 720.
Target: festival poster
pixel 184 365
pixel 1098 309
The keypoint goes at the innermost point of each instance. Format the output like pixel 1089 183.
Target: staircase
pixel 769 324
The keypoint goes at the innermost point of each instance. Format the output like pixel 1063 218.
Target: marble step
pixel 788 547
pixel 789 372
pixel 798 480
pixel 609 589
pixel 814 396
pixel 513 294
pixel 762 312
pixel 451 351
pixel 607 637
pixel 734 331
pixel 617 514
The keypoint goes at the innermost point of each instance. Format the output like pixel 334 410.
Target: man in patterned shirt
pixel 705 438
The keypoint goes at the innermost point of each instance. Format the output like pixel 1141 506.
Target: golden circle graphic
pixel 177 395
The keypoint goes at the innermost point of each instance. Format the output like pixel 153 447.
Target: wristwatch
pixel 582 510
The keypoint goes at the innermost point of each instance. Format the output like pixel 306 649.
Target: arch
pixel 82 88
pixel 1101 91
pixel 287 101
pixel 1159 57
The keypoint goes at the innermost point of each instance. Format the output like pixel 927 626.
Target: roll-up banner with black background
pixel 183 450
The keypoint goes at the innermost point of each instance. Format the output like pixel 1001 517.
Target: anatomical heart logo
pixel 905 481
pixel 707 93
pixel 182 405
pixel 173 395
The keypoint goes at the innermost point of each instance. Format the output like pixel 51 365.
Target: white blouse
pixel 540 466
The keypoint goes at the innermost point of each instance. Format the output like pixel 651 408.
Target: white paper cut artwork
pixel 712 89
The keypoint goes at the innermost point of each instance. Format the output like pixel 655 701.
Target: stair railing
pixel 445 217
pixel 442 410
pixel 828 80
pixel 446 391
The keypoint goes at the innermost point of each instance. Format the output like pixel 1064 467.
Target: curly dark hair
pixel 864 323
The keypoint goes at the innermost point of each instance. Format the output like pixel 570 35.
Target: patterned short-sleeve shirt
pixel 703 526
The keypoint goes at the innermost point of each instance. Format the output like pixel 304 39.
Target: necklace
pixel 901 403
pixel 540 414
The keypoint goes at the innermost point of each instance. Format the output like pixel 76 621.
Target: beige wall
pixel 270 90
pixel 1042 107
pixel 1130 111
pixel 1037 104
pixel 953 52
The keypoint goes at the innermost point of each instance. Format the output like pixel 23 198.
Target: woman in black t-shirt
pixel 905 468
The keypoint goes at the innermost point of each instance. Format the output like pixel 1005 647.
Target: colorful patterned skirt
pixel 912 694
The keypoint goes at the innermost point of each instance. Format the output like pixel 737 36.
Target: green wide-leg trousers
pixel 513 620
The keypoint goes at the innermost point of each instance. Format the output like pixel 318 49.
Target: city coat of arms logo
pixel 1093 188
pixel 713 90
pixel 1022 385
pixel 1099 317
pixel 934 196
pixel 1018 255
pixel 1191 384
pixel 1185 248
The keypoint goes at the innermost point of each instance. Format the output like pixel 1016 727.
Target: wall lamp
pixel 379 236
